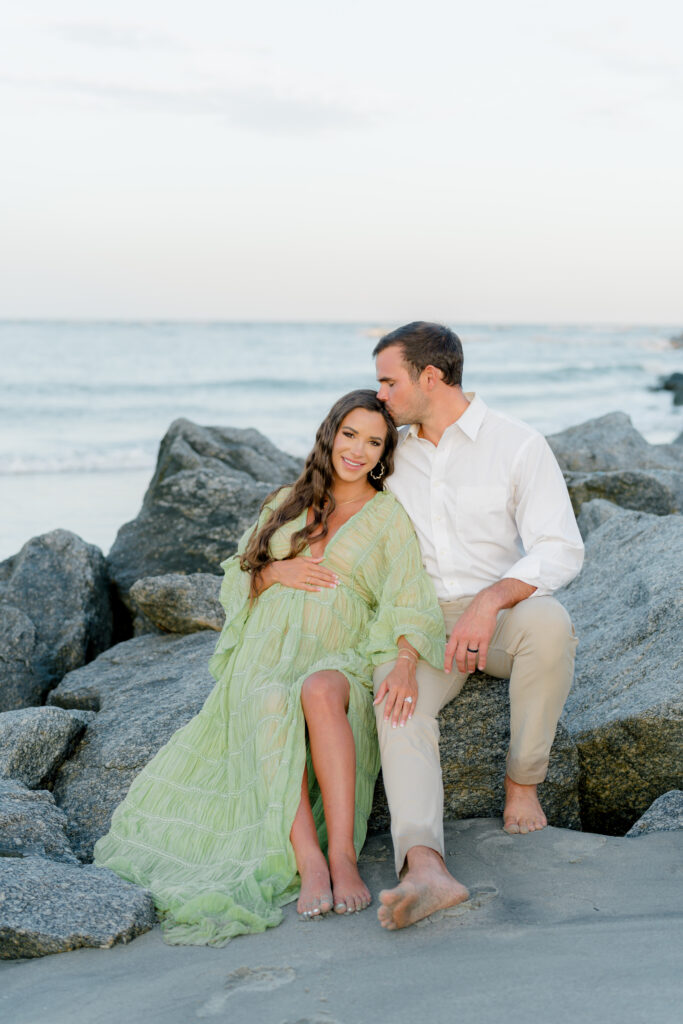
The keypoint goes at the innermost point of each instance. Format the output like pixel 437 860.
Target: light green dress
pixel 205 826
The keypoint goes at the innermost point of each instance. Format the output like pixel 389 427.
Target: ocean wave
pixel 77 462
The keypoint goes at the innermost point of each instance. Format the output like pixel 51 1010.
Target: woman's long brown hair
pixel 313 488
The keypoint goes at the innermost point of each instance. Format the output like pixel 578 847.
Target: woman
pixel 230 819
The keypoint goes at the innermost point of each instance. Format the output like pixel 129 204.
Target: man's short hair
pixel 425 344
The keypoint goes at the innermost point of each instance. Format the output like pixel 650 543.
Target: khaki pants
pixel 534 645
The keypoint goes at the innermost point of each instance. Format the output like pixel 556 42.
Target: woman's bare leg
pixel 315 897
pixel 325 699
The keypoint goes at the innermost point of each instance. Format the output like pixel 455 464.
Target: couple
pixel 331 597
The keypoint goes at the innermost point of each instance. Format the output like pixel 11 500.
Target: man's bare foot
pixel 523 813
pixel 427 886
pixel 315 897
pixel 350 891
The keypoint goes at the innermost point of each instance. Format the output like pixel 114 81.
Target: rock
pixel 179 604
pixel 609 443
pixel 31 824
pixel 659 492
pixel 594 513
pixel 55 613
pixel 674 382
pixel 475 732
pixel 664 815
pixel 208 487
pixel 34 742
pixel 625 710
pixel 48 907
pixel 607 458
pixel 143 689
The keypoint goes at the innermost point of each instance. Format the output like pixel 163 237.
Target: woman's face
pixel 359 445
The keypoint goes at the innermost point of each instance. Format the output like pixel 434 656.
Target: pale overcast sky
pixel 374 160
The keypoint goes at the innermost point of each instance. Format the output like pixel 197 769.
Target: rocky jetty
pixel 208 487
pixel 79 717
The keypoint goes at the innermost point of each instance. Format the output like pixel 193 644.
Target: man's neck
pixel 444 411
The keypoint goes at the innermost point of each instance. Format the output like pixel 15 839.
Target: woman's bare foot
pixel 315 898
pixel 523 812
pixel 350 891
pixel 427 886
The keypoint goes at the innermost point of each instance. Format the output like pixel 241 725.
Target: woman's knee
pixel 325 690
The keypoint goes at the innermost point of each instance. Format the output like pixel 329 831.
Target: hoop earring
pixel 382 471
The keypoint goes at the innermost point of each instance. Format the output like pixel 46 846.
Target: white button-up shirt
pixel 488 502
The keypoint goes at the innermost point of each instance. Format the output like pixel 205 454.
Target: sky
pixel 374 160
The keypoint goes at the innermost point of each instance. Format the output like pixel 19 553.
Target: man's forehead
pixel 390 361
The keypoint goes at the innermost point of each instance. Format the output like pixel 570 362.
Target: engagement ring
pixel 408 700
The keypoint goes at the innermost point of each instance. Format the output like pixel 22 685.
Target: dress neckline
pixel 343 525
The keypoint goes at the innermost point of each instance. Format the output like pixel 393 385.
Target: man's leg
pixel 411 771
pixel 534 645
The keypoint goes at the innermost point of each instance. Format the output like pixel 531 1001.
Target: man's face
pixel 403 396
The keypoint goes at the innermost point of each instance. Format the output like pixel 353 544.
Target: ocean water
pixel 83 405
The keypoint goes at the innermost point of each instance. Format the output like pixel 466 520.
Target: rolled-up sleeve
pixel 545 521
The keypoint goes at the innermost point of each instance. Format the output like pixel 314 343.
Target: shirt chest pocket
pixel 481 513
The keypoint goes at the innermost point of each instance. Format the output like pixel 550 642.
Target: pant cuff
pixel 526 775
pixel 416 837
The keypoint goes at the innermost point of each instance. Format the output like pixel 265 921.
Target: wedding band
pixel 473 650
pixel 408 700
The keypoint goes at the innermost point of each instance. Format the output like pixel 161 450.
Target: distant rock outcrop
pixel 55 615
pixel 208 487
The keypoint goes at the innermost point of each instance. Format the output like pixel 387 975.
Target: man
pixel 498 536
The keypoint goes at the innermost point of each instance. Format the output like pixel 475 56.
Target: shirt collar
pixel 469 422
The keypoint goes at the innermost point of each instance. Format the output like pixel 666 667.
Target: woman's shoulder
pixel 389 509
pixel 274 500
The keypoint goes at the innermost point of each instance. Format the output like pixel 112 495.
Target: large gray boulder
pixel 35 741
pixel 55 615
pixel 51 907
pixel 143 690
pixel 31 824
pixel 625 710
pixel 608 458
pixel 177 604
pixel 208 487
pixel 664 815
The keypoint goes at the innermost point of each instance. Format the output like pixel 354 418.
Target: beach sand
pixel 561 927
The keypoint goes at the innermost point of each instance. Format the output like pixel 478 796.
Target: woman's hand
pixel 400 690
pixel 300 573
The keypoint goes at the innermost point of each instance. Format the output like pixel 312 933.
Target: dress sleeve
pixel 234 597
pixel 406 600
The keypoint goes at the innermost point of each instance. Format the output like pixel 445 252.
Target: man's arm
pixel 470 639
pixel 553 554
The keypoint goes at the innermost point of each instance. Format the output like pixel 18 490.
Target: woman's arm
pixel 400 686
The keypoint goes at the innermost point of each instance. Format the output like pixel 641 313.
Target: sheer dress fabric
pixel 205 826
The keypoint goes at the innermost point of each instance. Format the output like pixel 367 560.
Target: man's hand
pixel 399 684
pixel 471 636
